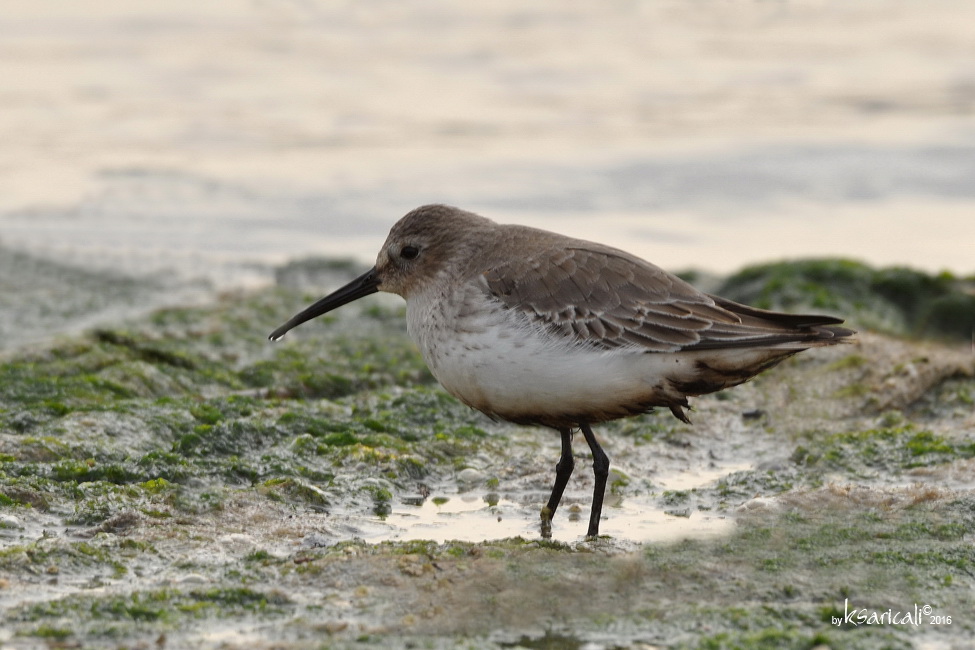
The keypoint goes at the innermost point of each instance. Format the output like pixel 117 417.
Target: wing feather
pixel 607 299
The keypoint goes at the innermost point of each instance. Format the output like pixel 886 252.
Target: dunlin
pixel 537 328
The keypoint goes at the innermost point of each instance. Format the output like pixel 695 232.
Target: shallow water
pixel 472 519
pixel 210 142
pixel 476 515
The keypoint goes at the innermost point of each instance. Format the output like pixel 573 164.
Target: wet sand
pixel 173 480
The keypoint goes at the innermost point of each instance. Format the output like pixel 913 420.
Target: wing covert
pixel 606 299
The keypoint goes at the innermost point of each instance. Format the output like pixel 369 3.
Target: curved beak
pixel 363 285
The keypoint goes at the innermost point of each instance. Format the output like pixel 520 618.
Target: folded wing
pixel 607 299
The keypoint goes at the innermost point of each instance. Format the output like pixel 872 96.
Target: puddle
pixel 471 518
pixel 477 516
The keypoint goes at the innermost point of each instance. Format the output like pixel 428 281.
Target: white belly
pixel 494 362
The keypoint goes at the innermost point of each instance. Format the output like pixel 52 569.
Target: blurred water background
pixel 160 152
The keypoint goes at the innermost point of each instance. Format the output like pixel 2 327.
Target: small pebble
pixel 10 521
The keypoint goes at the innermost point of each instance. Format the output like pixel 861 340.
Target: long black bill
pixel 363 285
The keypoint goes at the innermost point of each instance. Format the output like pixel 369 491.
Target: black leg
pixel 563 470
pixel 600 472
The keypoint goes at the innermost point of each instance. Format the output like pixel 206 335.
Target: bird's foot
pixel 547 522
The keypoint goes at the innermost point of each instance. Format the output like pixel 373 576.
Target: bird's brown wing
pixel 607 299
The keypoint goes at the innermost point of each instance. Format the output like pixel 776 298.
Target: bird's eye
pixel 409 252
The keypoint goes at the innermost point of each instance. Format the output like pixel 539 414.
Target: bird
pixel 537 328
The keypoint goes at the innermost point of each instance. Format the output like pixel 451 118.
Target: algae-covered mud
pixel 174 480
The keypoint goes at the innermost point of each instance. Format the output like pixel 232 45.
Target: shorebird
pixel 537 328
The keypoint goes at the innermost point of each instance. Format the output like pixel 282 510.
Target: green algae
pixel 666 592
pixel 890 449
pixel 897 300
pixel 160 378
pixel 162 610
pixel 147 447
